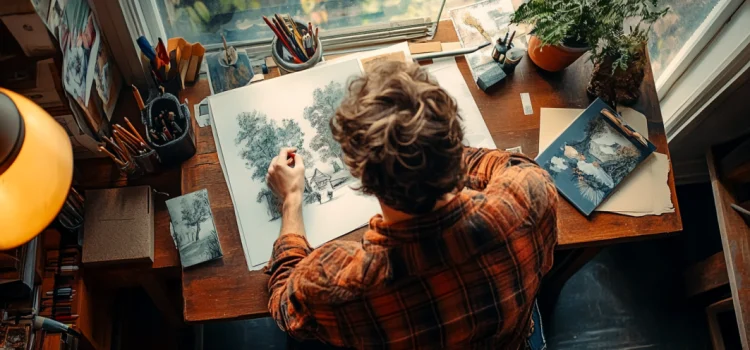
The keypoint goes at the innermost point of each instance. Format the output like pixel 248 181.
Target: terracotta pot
pixel 553 58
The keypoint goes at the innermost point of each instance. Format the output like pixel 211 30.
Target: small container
pixel 499 51
pixel 512 58
pixel 180 148
pixel 278 50
pixel 149 162
pixel 131 170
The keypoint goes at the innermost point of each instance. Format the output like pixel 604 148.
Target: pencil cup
pixel 131 170
pixel 148 162
pixel 278 52
pixel 182 146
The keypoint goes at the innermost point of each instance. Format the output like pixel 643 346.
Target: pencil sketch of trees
pixel 196 211
pixel 198 244
pixel 261 138
pixel 326 101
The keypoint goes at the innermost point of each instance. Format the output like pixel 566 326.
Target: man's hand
pixel 286 176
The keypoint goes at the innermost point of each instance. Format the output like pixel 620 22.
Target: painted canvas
pixel 223 77
pixel 592 156
pixel 252 123
pixel 193 228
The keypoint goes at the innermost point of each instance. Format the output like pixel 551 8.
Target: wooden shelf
pixel 735 241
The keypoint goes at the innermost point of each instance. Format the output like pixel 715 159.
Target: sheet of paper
pixel 399 51
pixel 650 177
pixel 476 134
pixel 252 123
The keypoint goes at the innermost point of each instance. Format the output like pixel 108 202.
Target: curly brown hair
pixel 401 136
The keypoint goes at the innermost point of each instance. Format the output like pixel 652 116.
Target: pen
pixel 167 133
pixel 511 38
pixel 176 127
pixel 146 48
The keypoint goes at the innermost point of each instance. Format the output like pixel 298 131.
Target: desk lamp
pixel 36 169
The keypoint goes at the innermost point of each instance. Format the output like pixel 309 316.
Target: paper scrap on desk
pixel 452 46
pixel 202 113
pixel 526 102
pixel 368 59
pixel 431 46
pixel 645 191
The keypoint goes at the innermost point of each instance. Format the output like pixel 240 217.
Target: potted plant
pixel 563 29
pixel 620 59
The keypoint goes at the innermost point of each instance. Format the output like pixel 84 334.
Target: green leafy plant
pixel 626 46
pixel 598 24
pixel 576 23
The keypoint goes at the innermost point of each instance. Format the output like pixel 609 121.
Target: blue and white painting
pixel 591 157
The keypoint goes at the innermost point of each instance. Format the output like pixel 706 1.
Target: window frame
pixel 720 64
pixel 695 45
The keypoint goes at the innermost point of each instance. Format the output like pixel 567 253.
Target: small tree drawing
pixel 261 139
pixel 336 166
pixel 273 207
pixel 326 101
pixel 196 211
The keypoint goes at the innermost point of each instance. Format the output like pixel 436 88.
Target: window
pixel 241 23
pixel 677 38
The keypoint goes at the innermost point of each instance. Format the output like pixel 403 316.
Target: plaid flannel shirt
pixel 464 276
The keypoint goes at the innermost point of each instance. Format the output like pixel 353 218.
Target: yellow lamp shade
pixel 36 169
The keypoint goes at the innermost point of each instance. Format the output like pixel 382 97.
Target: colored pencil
pixel 135 132
pixel 292 43
pixel 138 98
pixel 114 158
pixel 282 39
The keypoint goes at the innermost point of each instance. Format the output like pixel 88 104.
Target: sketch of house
pixel 336 183
pixel 320 180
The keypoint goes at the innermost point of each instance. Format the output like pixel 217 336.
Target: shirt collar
pixel 429 225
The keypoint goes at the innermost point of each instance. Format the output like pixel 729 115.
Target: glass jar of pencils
pixel 296 51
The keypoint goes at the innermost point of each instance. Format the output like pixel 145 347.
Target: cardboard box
pixel 119 226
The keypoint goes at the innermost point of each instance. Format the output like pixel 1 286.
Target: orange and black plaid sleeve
pixel 499 173
pixel 287 307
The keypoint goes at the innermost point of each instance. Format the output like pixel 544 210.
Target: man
pixel 456 258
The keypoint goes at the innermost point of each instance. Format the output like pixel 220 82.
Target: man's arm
pixel 483 164
pixel 517 179
pixel 286 179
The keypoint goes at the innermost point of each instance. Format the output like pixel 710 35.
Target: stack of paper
pixel 645 191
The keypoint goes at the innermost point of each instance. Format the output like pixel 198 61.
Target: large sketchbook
pixel 593 155
pixel 250 125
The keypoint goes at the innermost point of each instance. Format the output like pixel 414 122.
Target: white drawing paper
pixel 445 71
pixel 252 123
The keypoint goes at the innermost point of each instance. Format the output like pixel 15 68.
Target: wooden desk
pixel 225 289
pixel 155 277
